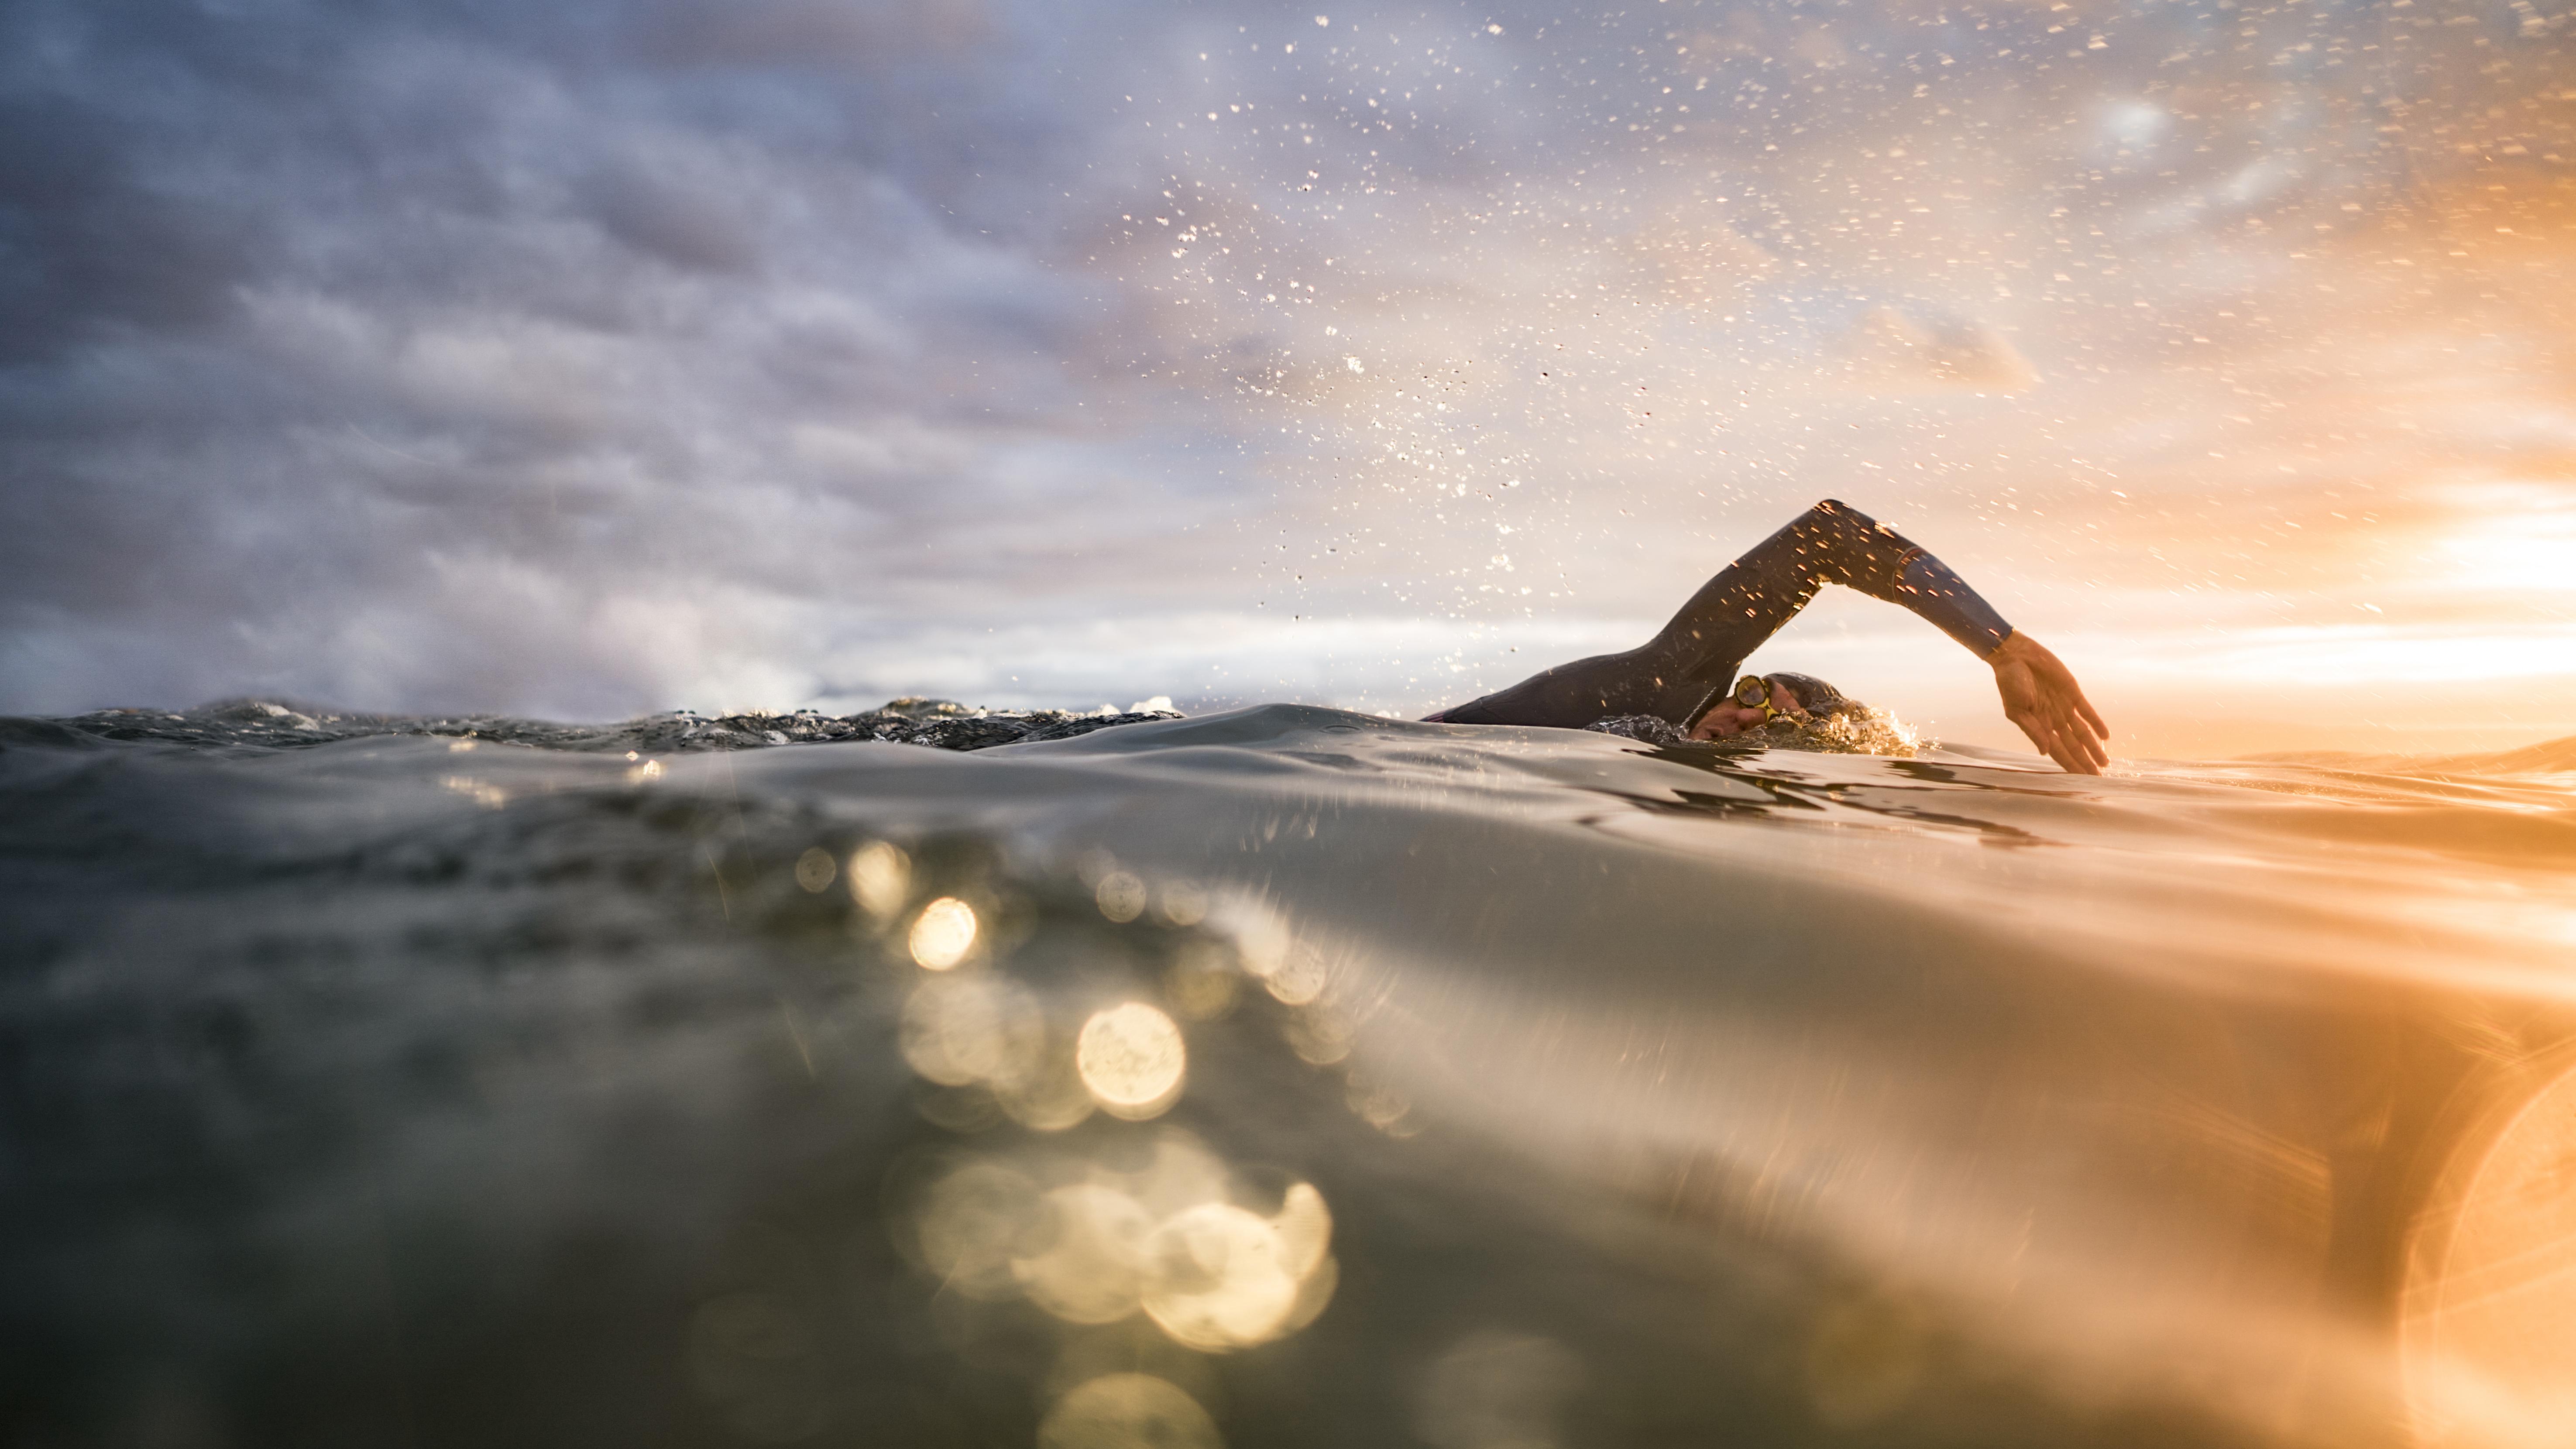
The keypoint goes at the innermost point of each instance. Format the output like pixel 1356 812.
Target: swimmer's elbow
pixel 1841 517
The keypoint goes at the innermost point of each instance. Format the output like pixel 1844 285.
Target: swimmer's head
pixel 1797 696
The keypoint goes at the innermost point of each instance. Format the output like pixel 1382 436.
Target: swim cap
pixel 1814 695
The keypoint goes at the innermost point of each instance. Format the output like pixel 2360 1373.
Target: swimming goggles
pixel 1754 692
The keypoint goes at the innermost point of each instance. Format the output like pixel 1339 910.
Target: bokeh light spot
pixel 2490 1333
pixel 1201 983
pixel 1305 1228
pixel 1121 896
pixel 959 1030
pixel 1128 1411
pixel 1042 1091
pixel 1131 1058
pixel 1184 902
pixel 1300 977
pixel 880 879
pixel 1320 1036
pixel 1091 1268
pixel 1218 1277
pixel 971 1223
pixel 943 933
pixel 814 869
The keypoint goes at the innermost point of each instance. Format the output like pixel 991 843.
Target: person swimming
pixel 1681 675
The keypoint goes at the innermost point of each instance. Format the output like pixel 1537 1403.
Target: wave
pixel 1298 1075
pixel 939 723
pixel 2550 757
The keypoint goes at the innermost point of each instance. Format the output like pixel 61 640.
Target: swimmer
pixel 1681 675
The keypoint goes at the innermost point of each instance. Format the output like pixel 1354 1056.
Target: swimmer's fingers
pixel 2083 708
pixel 2084 725
pixel 2056 748
pixel 2067 722
pixel 2091 715
pixel 2046 717
pixel 2063 746
pixel 2024 706
pixel 2072 729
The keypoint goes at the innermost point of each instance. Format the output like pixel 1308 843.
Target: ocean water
pixel 1284 1077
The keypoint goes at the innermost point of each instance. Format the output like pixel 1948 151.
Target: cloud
pixel 592 358
pixel 1892 349
pixel 88 247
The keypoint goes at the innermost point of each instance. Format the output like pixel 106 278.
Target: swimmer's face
pixel 1730 718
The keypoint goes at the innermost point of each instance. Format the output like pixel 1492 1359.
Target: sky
pixel 587 359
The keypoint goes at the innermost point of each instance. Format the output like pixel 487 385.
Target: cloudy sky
pixel 583 359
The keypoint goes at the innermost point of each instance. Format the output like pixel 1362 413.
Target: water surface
pixel 1282 1077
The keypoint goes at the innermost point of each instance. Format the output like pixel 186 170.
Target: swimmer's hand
pixel 2041 695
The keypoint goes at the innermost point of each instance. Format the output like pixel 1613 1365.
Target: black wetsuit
pixel 1683 670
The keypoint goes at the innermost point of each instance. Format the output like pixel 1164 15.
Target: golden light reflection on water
pixel 1132 1059
pixel 880 879
pixel 978 1031
pixel 942 934
pixel 1092 1267
pixel 1128 1411
pixel 1222 1277
pixel 483 793
pixel 1175 1248
pixel 1172 1240
pixel 1044 1091
pixel 2490 1340
pixel 1305 1228
pixel 962 1030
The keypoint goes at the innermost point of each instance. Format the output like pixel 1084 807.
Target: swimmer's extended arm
pixel 2040 695
pixel 1686 667
pixel 1835 542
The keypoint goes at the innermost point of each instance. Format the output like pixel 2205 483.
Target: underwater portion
pixel 1282 1077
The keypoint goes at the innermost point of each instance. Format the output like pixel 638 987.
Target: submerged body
pixel 1681 675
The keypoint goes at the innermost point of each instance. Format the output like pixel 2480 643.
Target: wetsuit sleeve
pixel 1677 674
pixel 1836 543
pixel 1943 599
